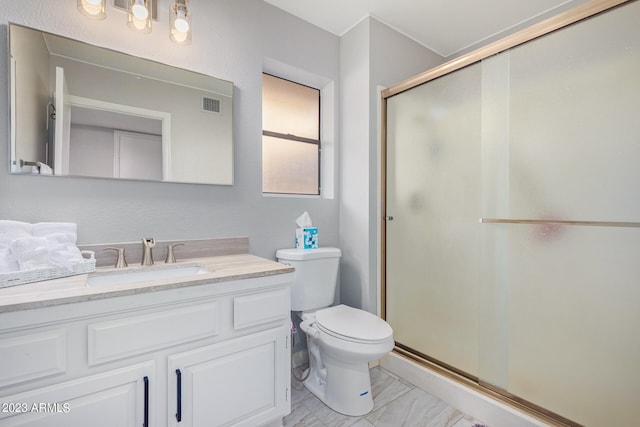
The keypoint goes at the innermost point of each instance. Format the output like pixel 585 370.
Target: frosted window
pixel 289 167
pixel 291 137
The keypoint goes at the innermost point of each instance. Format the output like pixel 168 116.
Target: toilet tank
pixel 316 276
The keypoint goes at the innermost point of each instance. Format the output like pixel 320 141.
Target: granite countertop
pixel 75 289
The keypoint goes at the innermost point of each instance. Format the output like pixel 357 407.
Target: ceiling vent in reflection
pixel 211 105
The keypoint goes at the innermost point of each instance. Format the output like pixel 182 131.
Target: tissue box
pixel 307 238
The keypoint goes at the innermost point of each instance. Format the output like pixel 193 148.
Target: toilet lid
pixel 353 324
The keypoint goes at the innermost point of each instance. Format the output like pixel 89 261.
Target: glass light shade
pixel 94 9
pixel 139 9
pixel 139 16
pixel 180 19
pixel 181 24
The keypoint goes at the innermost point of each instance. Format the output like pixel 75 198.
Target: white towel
pixel 44 169
pixel 62 251
pixel 42 229
pixel 31 252
pixel 8 262
pixel 11 230
pixel 43 245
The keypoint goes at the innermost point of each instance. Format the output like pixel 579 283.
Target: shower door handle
pixel 389 218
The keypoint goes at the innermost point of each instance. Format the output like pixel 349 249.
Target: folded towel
pixel 66 257
pixel 8 262
pixel 44 169
pixel 43 245
pixel 62 251
pixel 67 239
pixel 53 250
pixel 11 230
pixel 42 229
pixel 31 252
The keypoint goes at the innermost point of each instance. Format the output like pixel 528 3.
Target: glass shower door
pixel 432 246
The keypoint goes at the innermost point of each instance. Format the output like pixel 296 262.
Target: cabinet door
pixel 241 382
pixel 115 398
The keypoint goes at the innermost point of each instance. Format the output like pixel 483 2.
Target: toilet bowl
pixel 341 340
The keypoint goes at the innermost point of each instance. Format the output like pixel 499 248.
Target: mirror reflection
pixel 81 110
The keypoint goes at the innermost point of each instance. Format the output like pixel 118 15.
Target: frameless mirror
pixel 81 110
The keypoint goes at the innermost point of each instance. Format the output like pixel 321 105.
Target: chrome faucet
pixel 147 255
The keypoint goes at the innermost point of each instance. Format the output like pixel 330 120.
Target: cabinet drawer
pixel 30 357
pixel 126 337
pixel 253 310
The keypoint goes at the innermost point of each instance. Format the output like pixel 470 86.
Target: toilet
pixel 341 340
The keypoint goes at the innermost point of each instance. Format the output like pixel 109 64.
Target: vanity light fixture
pixel 140 13
pixel 180 21
pixel 94 9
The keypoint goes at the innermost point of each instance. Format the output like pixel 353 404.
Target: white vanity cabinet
pixel 205 355
pixel 234 383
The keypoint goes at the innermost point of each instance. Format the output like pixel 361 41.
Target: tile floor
pixel 396 403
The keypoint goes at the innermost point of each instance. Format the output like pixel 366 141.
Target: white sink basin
pixel 142 275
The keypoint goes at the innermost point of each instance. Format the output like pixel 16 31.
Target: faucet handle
pixel 121 261
pixel 170 259
pixel 149 242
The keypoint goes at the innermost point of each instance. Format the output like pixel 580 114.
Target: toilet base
pixel 344 388
pixel 339 367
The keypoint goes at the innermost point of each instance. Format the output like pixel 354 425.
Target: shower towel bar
pixel 559 222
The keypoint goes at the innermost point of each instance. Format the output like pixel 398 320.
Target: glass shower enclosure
pixel 513 256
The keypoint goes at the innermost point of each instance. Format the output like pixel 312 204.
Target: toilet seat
pixel 353 325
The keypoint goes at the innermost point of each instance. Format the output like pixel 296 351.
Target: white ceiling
pixel 447 27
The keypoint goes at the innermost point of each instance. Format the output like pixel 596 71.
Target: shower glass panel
pixel 571 300
pixel 513 253
pixel 433 241
pixel 561 143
